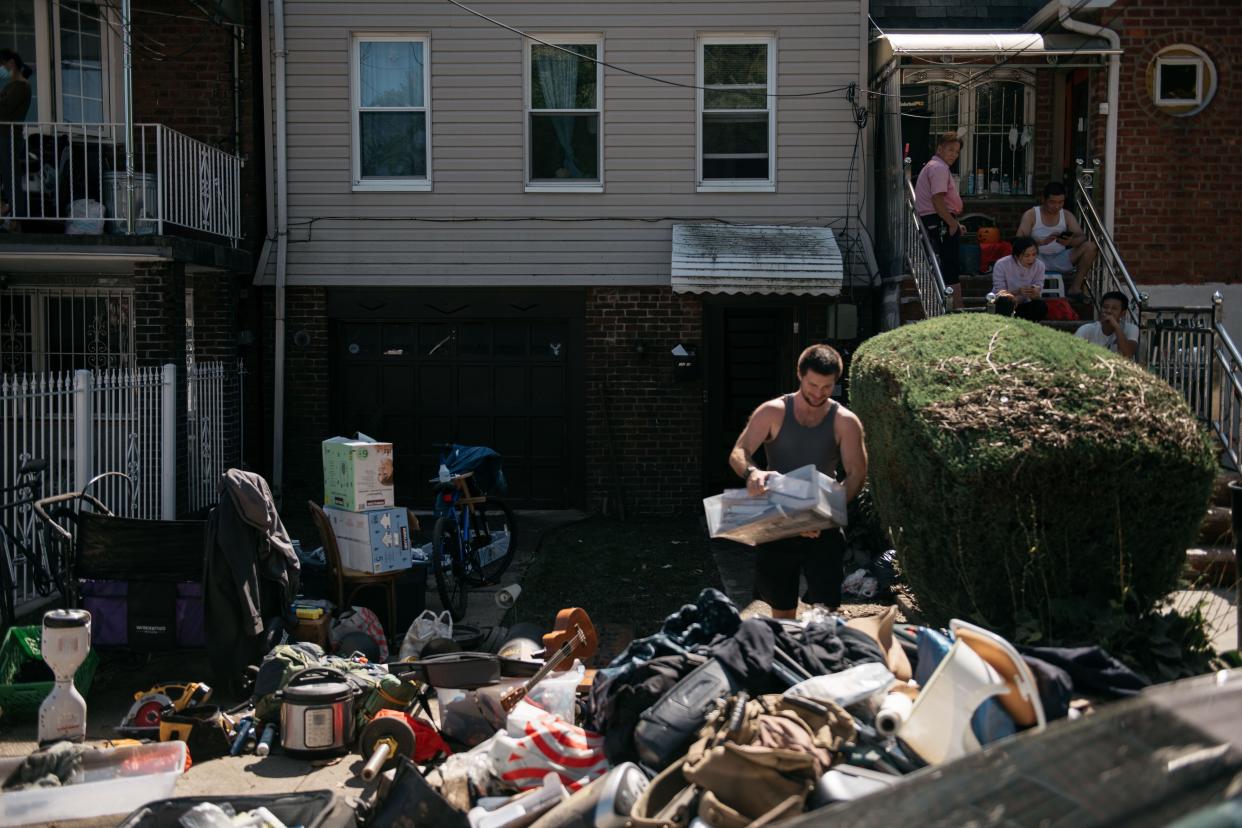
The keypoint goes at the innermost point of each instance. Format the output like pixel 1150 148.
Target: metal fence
pixel 208 428
pixel 75 175
pixel 87 422
pixel 1109 272
pixel 921 258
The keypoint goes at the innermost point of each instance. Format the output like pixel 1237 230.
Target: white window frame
pixel 382 185
pixel 1180 60
pixel 540 185
pixel 717 185
pixel 109 59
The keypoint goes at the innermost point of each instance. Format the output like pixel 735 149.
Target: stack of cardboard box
pixel 372 536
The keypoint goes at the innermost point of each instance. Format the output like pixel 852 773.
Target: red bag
pixel 1060 309
pixel 991 253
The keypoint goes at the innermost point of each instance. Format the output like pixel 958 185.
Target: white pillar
pixel 168 444
pixel 83 430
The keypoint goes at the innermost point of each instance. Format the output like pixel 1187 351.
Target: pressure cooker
pixel 317 712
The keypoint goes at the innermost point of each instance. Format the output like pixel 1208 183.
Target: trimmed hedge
pixel 1026 476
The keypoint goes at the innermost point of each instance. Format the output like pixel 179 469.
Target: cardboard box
pixel 801 501
pixel 374 541
pixel 357 473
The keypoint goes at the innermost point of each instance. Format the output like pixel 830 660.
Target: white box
pixel 374 541
pixel 357 473
pixel 801 501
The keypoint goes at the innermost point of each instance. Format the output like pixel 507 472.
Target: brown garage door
pixel 499 371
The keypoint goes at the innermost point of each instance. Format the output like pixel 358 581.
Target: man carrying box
pixel 807 426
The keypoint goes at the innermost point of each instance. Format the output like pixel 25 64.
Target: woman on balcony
pixel 14 102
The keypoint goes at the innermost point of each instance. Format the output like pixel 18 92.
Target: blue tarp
pixel 484 462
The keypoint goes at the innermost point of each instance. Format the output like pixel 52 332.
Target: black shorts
pixel 779 563
pixel 946 245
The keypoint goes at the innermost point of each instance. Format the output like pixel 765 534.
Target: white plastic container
pixel 114 781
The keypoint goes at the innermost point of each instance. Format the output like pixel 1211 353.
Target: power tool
pixel 143 719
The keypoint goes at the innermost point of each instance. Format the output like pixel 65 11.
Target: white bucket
pixel 145 201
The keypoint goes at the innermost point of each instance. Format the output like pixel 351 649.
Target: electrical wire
pixel 624 70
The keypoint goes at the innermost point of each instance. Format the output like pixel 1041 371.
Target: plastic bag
pixel 359 619
pixel 426 626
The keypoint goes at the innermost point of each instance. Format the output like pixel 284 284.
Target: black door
pixel 752 349
pixel 419 370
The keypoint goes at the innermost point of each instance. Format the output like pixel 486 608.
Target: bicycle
pixel 475 535
pixel 44 566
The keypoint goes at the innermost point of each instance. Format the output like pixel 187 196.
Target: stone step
pixel 1217 527
pixel 1215 566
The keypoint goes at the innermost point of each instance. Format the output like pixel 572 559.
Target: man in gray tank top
pixel 807 426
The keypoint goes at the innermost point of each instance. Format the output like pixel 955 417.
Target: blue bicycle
pixel 475 534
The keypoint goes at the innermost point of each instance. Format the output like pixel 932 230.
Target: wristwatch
pixel 749 471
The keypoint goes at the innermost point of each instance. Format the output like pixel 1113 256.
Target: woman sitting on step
pixel 1018 282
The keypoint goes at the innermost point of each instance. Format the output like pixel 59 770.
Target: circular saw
pixel 143 718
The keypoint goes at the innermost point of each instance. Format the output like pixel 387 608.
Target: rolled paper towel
pixel 893 713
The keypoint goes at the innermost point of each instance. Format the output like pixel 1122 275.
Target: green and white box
pixel 374 541
pixel 357 473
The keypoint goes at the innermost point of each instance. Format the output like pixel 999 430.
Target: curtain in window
pixel 558 80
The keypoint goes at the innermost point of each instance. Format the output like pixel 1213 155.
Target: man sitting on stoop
pixel 1113 331
pixel 1063 246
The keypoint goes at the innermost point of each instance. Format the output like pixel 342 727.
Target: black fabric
pixel 616 711
pixel 1092 670
pixel 1035 310
pixel 779 563
pixel 947 247
pixel 251 574
pixel 111 548
pixel 820 648
pixel 1055 687
pixel 152 611
pixel 692 628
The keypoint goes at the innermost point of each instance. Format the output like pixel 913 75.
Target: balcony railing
pixel 71 178
pixel 1109 272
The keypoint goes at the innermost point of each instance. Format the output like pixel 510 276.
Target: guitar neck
pixel 510 700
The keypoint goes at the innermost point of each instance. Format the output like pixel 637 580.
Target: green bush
pixel 1026 476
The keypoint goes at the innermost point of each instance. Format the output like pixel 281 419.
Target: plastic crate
pixel 22 700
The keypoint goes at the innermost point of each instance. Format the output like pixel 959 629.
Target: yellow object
pixel 309 613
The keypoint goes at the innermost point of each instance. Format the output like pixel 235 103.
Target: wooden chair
pixel 344 584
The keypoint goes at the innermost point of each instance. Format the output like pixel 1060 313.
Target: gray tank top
pixel 796 445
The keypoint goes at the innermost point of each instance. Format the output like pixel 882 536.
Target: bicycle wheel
pixel 493 542
pixel 446 555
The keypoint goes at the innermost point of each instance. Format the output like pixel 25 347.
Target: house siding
pixel 478 227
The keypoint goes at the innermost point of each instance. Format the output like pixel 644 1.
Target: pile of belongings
pixel 718 721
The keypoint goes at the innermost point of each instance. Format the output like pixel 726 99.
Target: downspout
pixel 1114 96
pixel 269 201
pixel 282 249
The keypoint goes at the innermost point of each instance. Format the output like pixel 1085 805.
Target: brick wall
pixel 656 421
pixel 215 340
pixel 185 81
pixel 1179 180
pixel 159 336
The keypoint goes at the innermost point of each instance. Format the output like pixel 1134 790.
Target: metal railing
pixel 935 297
pixel 73 176
pixel 1189 348
pixel 213 404
pixel 1109 271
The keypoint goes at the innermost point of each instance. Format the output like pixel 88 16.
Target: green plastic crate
pixel 22 700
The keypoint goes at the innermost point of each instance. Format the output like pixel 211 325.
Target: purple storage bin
pixel 190 620
pixel 108 604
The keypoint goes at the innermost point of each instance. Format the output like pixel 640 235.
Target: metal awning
pixel 986 44
pixel 730 258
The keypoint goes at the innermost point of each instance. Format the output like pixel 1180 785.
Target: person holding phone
pixel 1063 246
pixel 1018 282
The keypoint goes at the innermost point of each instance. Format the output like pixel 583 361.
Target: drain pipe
pixel 269 199
pixel 282 249
pixel 1114 96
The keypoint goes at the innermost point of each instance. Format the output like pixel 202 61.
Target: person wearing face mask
pixel 15 94
pixel 807 426
pixel 1018 282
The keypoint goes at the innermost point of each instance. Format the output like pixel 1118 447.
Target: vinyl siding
pixel 477 226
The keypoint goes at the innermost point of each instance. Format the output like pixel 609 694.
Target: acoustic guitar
pixel 573 635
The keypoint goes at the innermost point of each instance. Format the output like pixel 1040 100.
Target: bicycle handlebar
pixel 41 505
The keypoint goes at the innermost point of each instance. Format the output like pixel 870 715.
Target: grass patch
pixel 634 573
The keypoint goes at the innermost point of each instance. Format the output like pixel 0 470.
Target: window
pixel 1181 80
pixel 564 93
pixel 995 116
pixel 392 114
pixel 81 63
pixel 737 124
pixel 63 329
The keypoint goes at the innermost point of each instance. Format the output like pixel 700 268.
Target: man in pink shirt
pixel 938 204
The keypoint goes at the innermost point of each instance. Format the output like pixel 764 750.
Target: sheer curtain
pixel 558 78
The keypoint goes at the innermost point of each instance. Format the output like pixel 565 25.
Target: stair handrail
pixel 935 297
pixel 1226 419
pixel 1109 272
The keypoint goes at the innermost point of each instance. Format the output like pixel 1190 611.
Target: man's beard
pixel 813 404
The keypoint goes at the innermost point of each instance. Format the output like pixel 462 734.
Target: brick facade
pixel 1179 179
pixel 655 442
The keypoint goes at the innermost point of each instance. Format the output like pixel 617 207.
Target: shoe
pixel 1077 298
